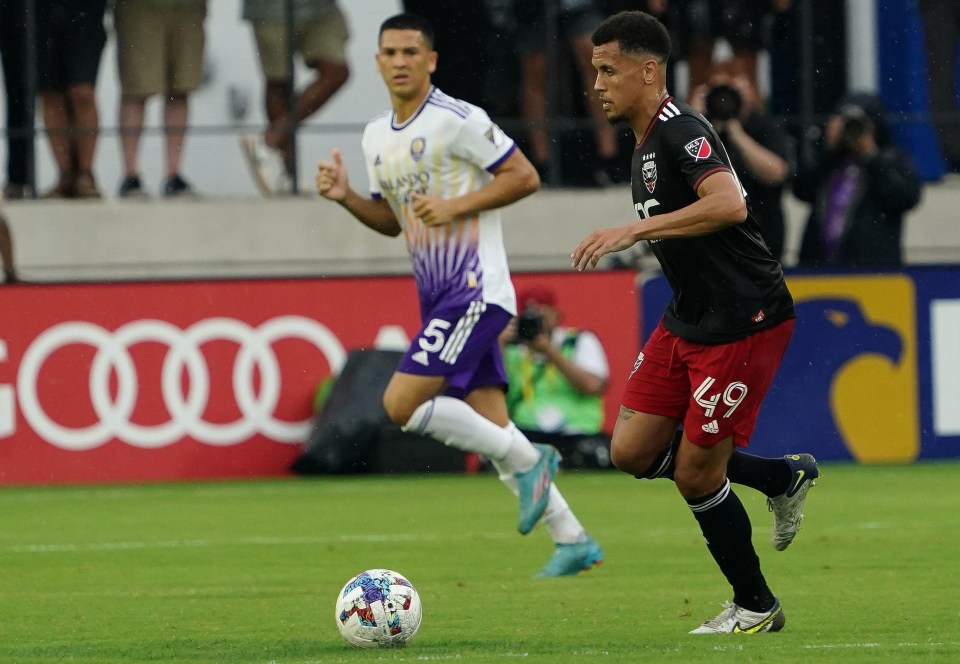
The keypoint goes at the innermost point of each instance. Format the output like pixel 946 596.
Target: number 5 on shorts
pixel 433 337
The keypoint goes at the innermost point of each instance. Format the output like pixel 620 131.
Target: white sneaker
pixel 266 164
pixel 738 620
pixel 788 508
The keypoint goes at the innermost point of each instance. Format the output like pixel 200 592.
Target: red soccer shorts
pixel 716 391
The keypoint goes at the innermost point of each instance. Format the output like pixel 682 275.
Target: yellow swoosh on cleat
pixel 796 485
pixel 756 628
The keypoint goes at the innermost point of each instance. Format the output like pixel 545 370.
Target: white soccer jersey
pixel 446 149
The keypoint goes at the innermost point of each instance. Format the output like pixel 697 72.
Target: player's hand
pixel 332 181
pixel 431 210
pixel 600 243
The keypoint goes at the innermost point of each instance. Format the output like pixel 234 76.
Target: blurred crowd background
pixel 172 98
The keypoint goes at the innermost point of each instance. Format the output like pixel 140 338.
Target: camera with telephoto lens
pixel 529 325
pixel 856 125
pixel 722 103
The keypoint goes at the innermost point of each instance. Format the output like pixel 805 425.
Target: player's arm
pixel 333 184
pixel 720 204
pixel 513 179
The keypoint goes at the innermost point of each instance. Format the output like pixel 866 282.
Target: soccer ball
pixel 378 609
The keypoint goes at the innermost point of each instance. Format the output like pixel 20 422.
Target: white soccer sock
pixel 559 519
pixel 455 423
pixel 522 455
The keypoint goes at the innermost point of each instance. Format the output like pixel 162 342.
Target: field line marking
pixel 200 543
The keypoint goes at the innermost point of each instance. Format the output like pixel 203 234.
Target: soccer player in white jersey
pixel 439 169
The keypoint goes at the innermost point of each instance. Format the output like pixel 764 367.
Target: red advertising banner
pixel 189 380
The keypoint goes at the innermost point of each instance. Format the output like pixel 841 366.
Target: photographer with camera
pixel 858 185
pixel 760 152
pixel 557 377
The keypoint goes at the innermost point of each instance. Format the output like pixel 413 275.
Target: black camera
pixel 723 102
pixel 529 325
pixel 856 125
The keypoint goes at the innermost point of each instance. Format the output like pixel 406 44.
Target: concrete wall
pixel 251 237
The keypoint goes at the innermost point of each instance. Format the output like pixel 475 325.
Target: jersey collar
pixel 398 127
pixel 653 120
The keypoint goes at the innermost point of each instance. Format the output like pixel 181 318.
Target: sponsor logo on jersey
pixel 495 135
pixel 668 111
pixel 699 148
pixel 377 161
pixel 417 146
pixel 649 171
pixel 636 365
pixel 711 427
pixel 421 357
pixel 759 317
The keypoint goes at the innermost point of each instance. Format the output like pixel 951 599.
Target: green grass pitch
pixel 248 571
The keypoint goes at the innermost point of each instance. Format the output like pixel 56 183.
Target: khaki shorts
pixel 314 40
pixel 159 50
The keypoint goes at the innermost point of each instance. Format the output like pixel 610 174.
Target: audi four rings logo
pixel 185 410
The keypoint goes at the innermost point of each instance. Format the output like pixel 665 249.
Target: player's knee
pixel 399 409
pixel 405 411
pixel 696 482
pixel 629 460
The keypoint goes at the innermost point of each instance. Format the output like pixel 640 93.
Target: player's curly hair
pixel 635 32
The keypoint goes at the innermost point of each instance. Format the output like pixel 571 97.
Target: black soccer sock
pixel 664 465
pixel 769 476
pixel 726 527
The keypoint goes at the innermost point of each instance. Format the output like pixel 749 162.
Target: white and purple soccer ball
pixel 378 608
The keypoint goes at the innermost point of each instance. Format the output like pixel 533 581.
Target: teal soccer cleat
pixel 570 559
pixel 533 487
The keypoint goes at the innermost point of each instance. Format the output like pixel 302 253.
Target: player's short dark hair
pixel 408 21
pixel 635 32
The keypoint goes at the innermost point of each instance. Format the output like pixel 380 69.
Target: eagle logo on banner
pixel 699 148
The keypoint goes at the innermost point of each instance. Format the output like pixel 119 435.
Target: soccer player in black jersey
pixel 711 360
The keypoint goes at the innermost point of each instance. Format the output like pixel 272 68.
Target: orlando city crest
pixel 699 148
pixel 417 146
pixel 649 172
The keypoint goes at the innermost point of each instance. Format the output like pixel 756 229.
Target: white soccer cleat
pixel 788 508
pixel 738 620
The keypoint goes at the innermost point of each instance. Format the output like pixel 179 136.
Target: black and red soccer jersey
pixel 726 285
